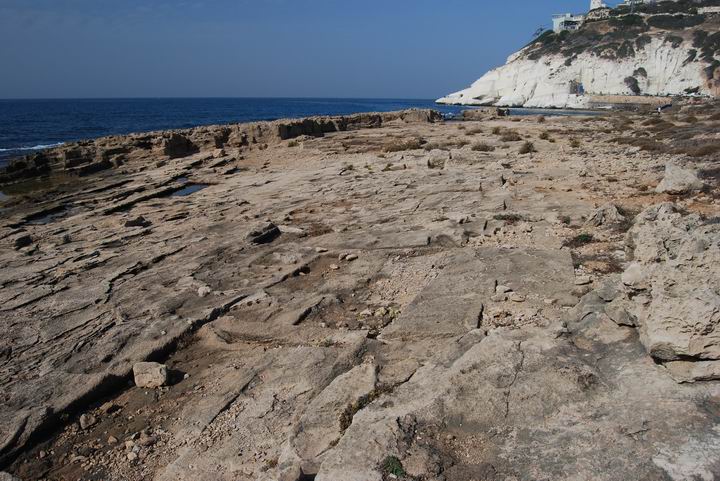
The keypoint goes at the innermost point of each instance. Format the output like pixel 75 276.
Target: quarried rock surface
pixel 410 298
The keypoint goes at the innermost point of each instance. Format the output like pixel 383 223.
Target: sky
pixel 421 49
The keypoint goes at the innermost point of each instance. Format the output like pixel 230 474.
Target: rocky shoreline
pixel 93 156
pixel 370 297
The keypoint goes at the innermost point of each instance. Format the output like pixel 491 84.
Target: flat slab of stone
pixel 455 301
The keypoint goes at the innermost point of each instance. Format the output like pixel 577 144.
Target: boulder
pixel 263 233
pixel 617 311
pixel 679 180
pixel 177 146
pixel 634 277
pixel 87 421
pixel 608 214
pixel 670 292
pixel 677 263
pixel 420 115
pixel 437 158
pixel 150 374
pixel 7 477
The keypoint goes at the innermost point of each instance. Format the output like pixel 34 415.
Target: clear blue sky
pixel 259 48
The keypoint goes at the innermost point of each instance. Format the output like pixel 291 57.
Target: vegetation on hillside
pixel 625 33
pixel 680 6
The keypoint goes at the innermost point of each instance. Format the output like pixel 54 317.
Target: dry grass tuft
pixel 703 150
pixel 648 145
pixel 482 147
pixel 402 145
pixel 527 148
pixel 510 136
pixel 652 121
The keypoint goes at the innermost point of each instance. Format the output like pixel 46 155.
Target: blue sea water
pixel 28 125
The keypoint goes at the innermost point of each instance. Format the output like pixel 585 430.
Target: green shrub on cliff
pixel 642 41
pixel 627 21
pixel 633 85
pixel 674 40
pixel 675 22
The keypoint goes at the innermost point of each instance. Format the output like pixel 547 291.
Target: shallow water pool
pixel 188 190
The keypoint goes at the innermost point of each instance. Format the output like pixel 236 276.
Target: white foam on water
pixel 34 147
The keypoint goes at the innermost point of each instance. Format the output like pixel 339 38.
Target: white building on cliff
pixel 567 21
pixel 570 21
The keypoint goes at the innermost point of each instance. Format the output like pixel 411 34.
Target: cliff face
pixel 620 56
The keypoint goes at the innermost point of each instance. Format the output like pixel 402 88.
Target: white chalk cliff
pixel 659 67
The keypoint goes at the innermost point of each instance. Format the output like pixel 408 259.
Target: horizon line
pixel 215 97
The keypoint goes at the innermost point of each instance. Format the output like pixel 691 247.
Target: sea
pixel 31 125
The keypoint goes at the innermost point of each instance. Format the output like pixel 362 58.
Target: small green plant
pixel 482 147
pixel 566 219
pixel 392 465
pixel 544 136
pixel 346 417
pixel 496 131
pixel 584 238
pixel 580 240
pixel 293 143
pixel 527 148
